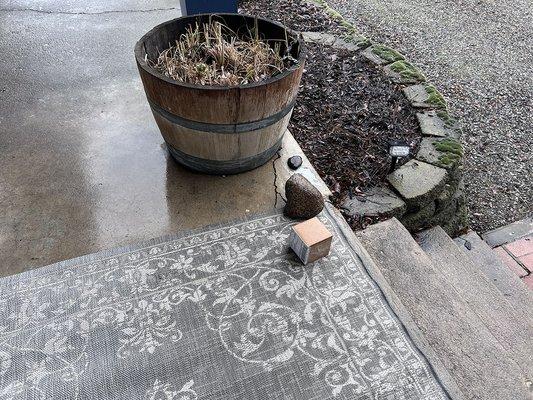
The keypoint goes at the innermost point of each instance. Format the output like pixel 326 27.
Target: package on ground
pixel 310 240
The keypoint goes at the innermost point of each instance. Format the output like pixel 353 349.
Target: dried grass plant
pixel 213 54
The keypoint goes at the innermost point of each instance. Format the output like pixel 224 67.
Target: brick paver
pixel 527 261
pixel 528 280
pixel 520 247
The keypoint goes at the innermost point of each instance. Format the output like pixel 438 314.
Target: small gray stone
pixel 294 162
pixel 303 199
pixel 432 125
pixel 418 182
pixel 378 201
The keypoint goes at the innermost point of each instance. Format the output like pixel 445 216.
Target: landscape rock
pixel 381 55
pixel 319 37
pixel 418 182
pixel 424 96
pixel 432 125
pixel 404 72
pixel 378 201
pixel 350 46
pixel 446 153
pixel 369 55
pixel 449 193
pixel 303 199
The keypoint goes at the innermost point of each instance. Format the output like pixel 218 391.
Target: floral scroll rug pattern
pixel 223 313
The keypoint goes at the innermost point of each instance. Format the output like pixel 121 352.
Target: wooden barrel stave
pixel 221 146
pixel 210 166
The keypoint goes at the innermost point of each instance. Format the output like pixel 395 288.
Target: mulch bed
pixel 347 109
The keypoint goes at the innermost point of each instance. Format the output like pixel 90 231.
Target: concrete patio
pixel 83 166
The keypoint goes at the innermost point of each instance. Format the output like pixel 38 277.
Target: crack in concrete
pixel 85 12
pixel 276 191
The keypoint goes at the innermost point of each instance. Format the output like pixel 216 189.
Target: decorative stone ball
pixel 304 201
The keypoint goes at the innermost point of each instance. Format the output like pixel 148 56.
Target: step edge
pixel 439 245
pixel 496 265
pixel 476 322
pixel 404 316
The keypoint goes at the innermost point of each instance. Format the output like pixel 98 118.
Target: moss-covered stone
pixel 458 221
pixel 407 72
pixel 452 152
pixel 453 193
pixel 448 120
pixel 361 41
pixel 449 159
pixel 434 97
pixel 449 146
pixel 378 201
pixel 445 153
pixel 418 183
pixel 386 53
pixel 419 219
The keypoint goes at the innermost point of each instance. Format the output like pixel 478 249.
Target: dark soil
pixel 346 113
pixel 347 109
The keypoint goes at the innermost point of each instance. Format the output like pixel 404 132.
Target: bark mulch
pixel 347 109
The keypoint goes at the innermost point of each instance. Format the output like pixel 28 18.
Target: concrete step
pixel 488 262
pixel 455 335
pixel 509 233
pixel 512 330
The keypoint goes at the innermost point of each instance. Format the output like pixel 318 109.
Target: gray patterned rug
pixel 222 313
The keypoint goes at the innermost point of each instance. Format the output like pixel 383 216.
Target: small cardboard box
pixel 310 240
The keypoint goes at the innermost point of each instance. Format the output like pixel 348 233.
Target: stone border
pixel 428 189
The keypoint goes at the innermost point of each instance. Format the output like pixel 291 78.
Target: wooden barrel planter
pixel 220 129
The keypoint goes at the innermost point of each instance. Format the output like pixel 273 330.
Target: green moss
pixel 450 146
pixel 386 53
pixel 407 71
pixel 434 97
pixel 448 120
pixel 449 159
pixel 361 41
pixel 451 150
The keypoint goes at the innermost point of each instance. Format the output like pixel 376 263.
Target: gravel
pixel 479 53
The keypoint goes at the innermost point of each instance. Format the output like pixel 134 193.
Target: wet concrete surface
pixel 82 165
